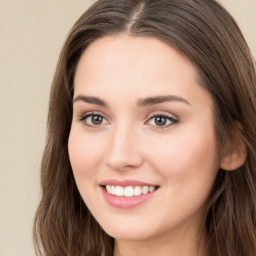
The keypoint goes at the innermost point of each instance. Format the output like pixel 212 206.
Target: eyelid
pixel 162 113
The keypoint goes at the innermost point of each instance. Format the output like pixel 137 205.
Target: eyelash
pixel 170 118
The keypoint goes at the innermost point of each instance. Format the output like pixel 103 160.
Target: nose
pixel 124 151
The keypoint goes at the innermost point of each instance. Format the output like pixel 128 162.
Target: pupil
pixel 96 119
pixel 160 120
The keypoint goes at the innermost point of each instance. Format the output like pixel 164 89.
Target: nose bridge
pixel 123 150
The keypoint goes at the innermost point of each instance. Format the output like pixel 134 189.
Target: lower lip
pixel 126 202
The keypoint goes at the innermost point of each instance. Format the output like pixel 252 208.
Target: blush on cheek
pixel 187 155
pixel 84 154
pixel 81 164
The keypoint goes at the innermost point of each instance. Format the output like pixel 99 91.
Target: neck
pixel 178 244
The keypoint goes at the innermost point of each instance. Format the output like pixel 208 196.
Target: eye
pixel 91 119
pixel 162 120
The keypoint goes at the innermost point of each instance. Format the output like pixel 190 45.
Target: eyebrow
pixel 141 103
pixel 161 99
pixel 90 100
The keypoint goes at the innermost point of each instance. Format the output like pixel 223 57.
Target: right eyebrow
pixel 90 100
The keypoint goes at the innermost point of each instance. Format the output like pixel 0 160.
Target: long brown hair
pixel 209 37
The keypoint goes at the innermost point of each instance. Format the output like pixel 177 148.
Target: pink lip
pixel 125 183
pixel 125 202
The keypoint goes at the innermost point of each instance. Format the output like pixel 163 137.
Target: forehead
pixel 124 65
pixel 133 55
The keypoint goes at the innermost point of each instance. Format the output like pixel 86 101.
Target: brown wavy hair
pixel 208 36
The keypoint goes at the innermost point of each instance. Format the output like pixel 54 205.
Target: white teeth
pixel 119 191
pixel 113 190
pixel 145 190
pixel 151 188
pixel 129 191
pixel 108 188
pixel 137 191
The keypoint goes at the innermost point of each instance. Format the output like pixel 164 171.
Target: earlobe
pixel 235 158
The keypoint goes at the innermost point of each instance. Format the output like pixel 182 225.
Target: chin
pixel 127 235
pixel 127 231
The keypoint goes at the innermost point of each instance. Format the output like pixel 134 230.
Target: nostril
pixel 124 161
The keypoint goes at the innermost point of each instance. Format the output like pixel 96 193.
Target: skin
pixel 181 157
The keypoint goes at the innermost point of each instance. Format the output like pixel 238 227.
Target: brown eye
pixel 162 121
pixel 96 119
pixel 93 120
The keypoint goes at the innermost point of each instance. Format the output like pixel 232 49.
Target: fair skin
pixel 169 143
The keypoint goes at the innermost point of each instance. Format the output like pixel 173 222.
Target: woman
pixel 151 145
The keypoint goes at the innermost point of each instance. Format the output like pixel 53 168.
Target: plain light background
pixel 31 35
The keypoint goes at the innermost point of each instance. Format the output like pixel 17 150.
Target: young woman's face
pixel 142 145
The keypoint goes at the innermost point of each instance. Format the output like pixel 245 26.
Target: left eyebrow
pixel 90 100
pixel 161 99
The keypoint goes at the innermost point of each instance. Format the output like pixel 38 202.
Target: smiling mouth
pixel 129 191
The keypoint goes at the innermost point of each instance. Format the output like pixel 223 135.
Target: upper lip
pixel 125 183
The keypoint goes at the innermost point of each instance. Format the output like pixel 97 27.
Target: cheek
pixel 191 155
pixel 188 160
pixel 188 165
pixel 85 153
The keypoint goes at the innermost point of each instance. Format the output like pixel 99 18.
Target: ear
pixel 235 156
